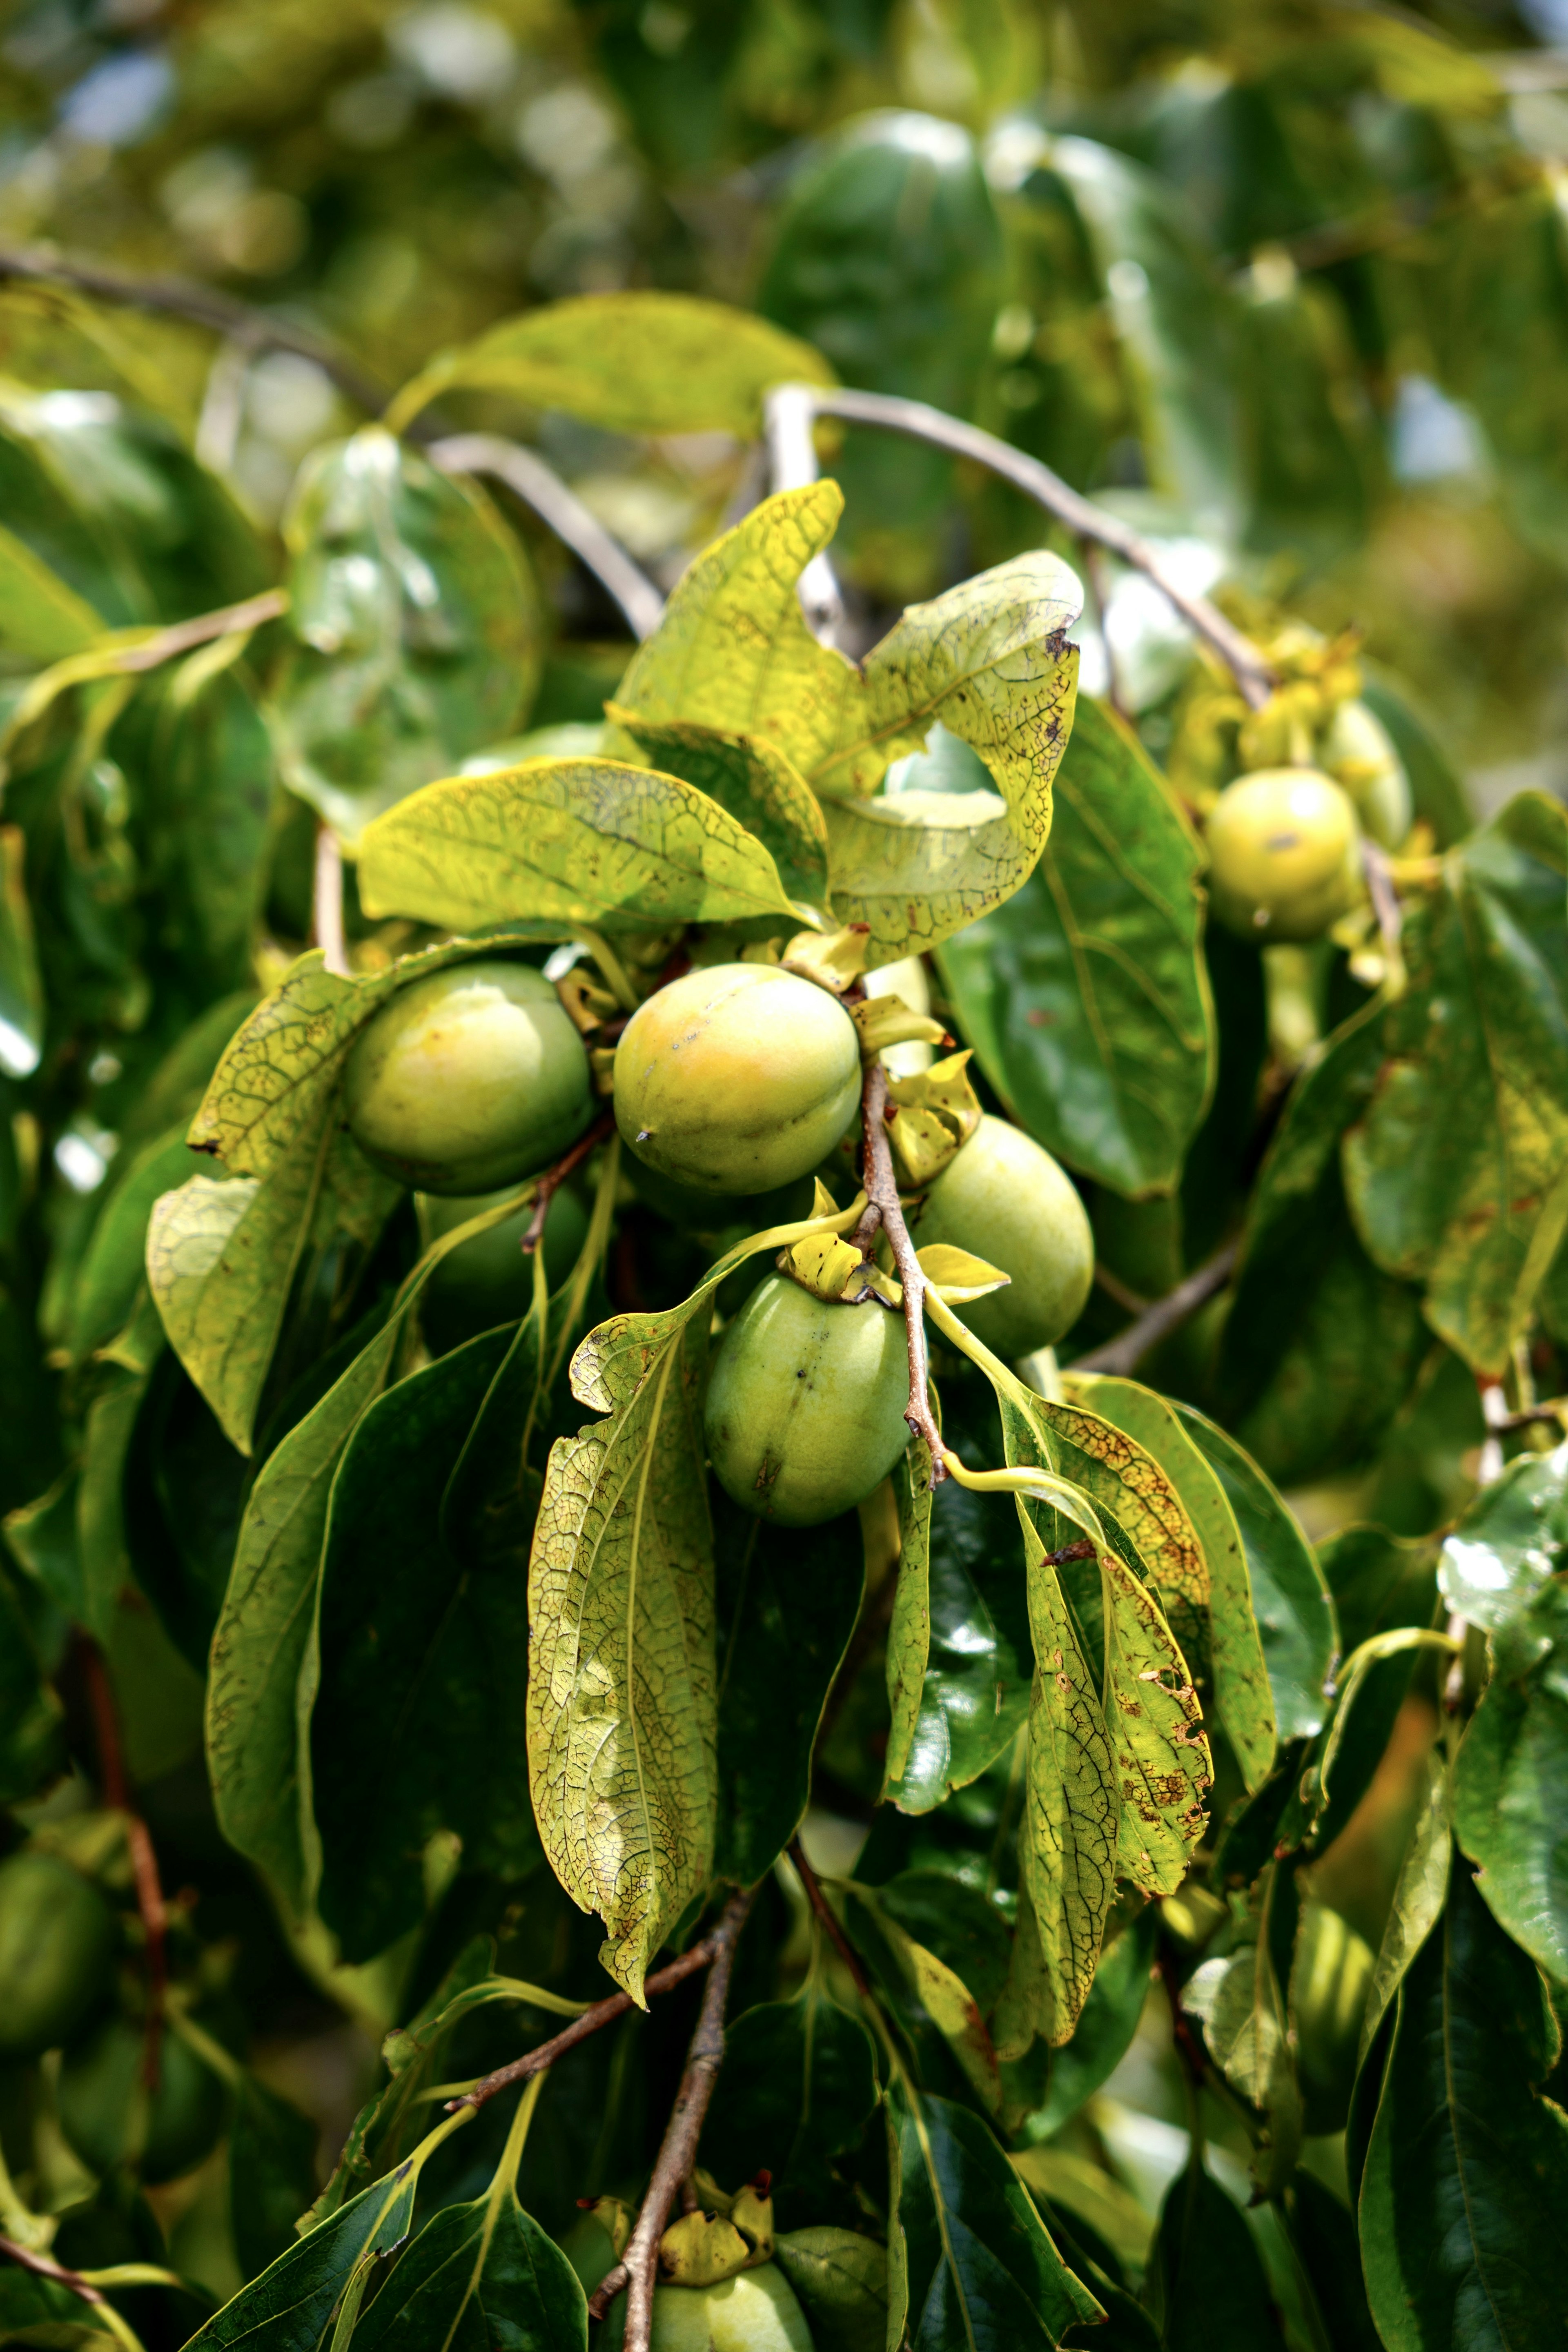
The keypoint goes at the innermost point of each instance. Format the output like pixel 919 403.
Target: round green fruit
pixel 806 1403
pixel 1329 1979
pixel 100 2091
pixel 488 1280
pixel 1358 751
pixel 1005 1200
pixel 737 1078
pixel 57 1942
pixel 756 2311
pixel 469 1079
pixel 1284 854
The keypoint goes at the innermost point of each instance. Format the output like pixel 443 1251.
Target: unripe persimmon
pixel 1284 854
pixel 488 1281
pixel 1005 1200
pixel 58 1940
pixel 737 1078
pixel 101 2095
pixel 471 1078
pixel 756 2311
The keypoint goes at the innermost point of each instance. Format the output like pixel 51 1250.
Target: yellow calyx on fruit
pixel 471 1078
pixel 1284 854
pixel 737 1078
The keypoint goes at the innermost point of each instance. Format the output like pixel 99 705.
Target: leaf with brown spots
pixel 1126 1480
pixel 1161 1754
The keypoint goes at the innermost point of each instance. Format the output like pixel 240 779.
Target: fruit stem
pixel 835 1933
pixel 550 1183
pixel 883 1209
pixel 638 2267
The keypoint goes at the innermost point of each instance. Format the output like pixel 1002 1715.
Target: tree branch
pixel 150 1901
pixel 824 1910
pixel 882 1196
pixel 526 472
pixel 550 1183
pixel 1128 1349
pixel 327 902
pixel 638 2268
pixel 1081 515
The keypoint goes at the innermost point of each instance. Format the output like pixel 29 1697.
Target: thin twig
pixel 327 902
pixel 182 636
pixel 541 487
pixel 1128 1349
pixel 831 1928
pixel 882 1195
pixel 46 2267
pixel 550 1183
pixel 116 1786
pixel 593 2021
pixel 639 2266
pixel 1081 515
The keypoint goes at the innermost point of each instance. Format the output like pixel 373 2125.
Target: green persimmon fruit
pixel 100 2092
pixel 1358 751
pixel 57 1942
pixel 1284 854
pixel 471 1078
pixel 806 1403
pixel 488 1280
pixel 1005 1198
pixel 697 1211
pixel 1330 1978
pixel 737 1078
pixel 756 2311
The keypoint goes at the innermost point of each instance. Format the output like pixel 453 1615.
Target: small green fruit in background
pixel 1329 1979
pixel 1357 750
pixel 756 2311
pixel 1005 1200
pixel 471 1078
pixel 57 1942
pixel 737 1078
pixel 102 2092
pixel 488 1280
pixel 806 1403
pixel 1284 854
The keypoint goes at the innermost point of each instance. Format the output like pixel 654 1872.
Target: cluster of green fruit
pixel 732 1085
pixel 60 1942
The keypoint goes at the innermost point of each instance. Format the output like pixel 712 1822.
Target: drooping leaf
pixel 482 2277
pixel 632 361
pixel 416 628
pixel 1242 2002
pixel 1159 1751
pixel 271 2173
pixel 1475 1207
pixel 1106 2025
pixel 1242 1698
pixel 559 842
pixel 798 2088
pixel 1419 1894
pixel 1214 2289
pixel 1467 2170
pixel 953 1918
pixel 970 2261
pixel 935 2005
pixel 910 1625
pixel 784 1624
pixel 1290 1601
pixel 755 782
pixel 1511 1782
pixel 1084 993
pixel 1324 2236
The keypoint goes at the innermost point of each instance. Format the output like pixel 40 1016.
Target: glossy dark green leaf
pixel 1292 1604
pixel 479 2278
pixel 1378 1581
pixel 1084 994
pixel 798 2088
pixel 416 628
pixel 418 1724
pixel 784 1624
pixel 1500 1557
pixel 840 2280
pixel 1320 1347
pixel 953 1919
pixel 1106 2024
pixel 1475 1207
pixel 971 2262
pixel 1467 2172
pixel 938 2010
pixel 1324 2237
pixel 31 1719
pixel 1510 1782
pixel 292 2304
pixel 1214 2290
pixel 272 2174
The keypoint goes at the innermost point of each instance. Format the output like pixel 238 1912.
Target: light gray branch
pixel 541 487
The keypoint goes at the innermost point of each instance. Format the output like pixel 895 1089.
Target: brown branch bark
pixel 638 2269
pixel 1128 1349
pixel 831 1928
pixel 550 1183
pixel 46 2267
pixel 116 1790
pixel 883 1198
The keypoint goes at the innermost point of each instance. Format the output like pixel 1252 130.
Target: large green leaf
pixel 630 363
pixel 784 1624
pixel 559 842
pixel 31 1717
pixel 415 623
pixel 970 2261
pixel 1213 2288
pixel 1290 1601
pixel 1084 994
pixel 1475 1205
pixel 1511 1782
pixel 1467 2171
pixel 41 617
pixel 755 782
pixel 1505 1547
pixel 271 2173
pixel 798 2088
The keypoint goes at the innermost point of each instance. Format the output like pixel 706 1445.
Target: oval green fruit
pixel 806 1403
pixel 100 2092
pixel 1358 751
pixel 1008 1201
pixel 756 2311
pixel 1330 1978
pixel 471 1078
pixel 488 1280
pixel 737 1078
pixel 57 1942
pixel 1284 854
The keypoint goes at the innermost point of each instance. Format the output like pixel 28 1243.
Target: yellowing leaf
pixel 908 1635
pixel 560 842
pixel 40 617
pixel 755 782
pixel 1161 1754
pixel 632 362
pixel 931 1114
pixel 957 1273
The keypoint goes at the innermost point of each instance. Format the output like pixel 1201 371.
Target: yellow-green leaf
pixel 752 780
pixel 631 362
pixel 1161 1754
pixel 559 842
pixel 40 617
pixel 908 1635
